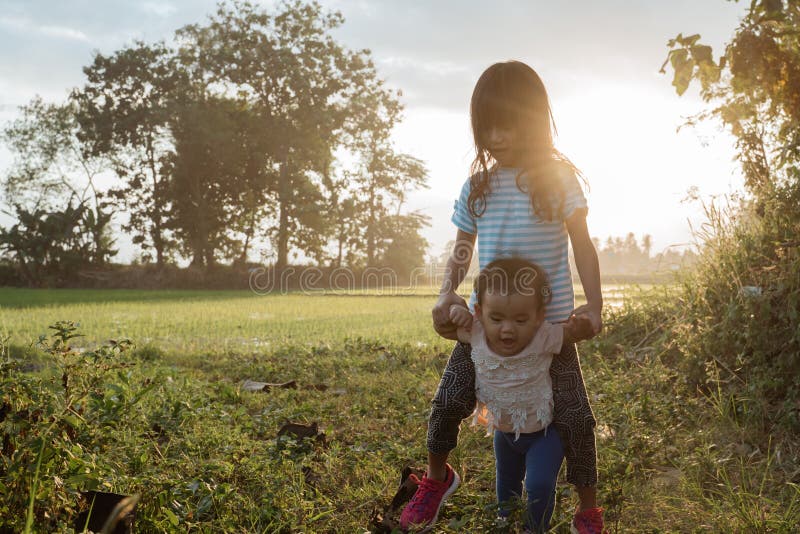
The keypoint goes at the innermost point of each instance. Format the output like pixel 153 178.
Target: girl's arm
pixel 459 326
pixel 588 268
pixel 456 270
pixel 462 318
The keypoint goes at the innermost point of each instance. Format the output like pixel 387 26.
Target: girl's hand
pixel 591 312
pixel 441 311
pixel 460 316
pixel 578 328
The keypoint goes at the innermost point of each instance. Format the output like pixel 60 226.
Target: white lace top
pixel 515 393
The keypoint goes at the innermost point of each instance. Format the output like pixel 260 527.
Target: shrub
pixel 54 427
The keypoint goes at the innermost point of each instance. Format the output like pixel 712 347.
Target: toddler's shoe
pixel 422 510
pixel 589 521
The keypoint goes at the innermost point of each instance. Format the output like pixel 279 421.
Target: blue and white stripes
pixel 509 227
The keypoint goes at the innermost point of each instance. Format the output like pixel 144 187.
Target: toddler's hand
pixel 460 316
pixel 441 311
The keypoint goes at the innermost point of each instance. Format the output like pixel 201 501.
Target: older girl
pixel 522 199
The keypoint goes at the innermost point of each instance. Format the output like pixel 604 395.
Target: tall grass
pixel 728 333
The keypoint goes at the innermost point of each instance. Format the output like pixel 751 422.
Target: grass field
pixel 174 426
pixel 226 320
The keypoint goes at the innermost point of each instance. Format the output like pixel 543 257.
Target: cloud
pixel 66 33
pixel 161 9
pixel 14 23
pixel 415 41
pixel 26 25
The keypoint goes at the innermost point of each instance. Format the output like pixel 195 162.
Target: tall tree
pixel 383 177
pixel 405 247
pixel 340 207
pixel 212 170
pixel 126 105
pixel 289 68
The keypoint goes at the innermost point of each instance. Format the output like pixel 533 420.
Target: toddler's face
pixel 510 321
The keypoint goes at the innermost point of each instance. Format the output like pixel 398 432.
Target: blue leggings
pixel 537 458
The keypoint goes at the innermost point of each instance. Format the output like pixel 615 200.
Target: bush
pixel 54 427
pixel 741 304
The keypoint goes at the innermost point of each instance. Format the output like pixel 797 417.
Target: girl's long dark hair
pixel 511 95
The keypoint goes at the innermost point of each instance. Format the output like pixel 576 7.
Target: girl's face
pixel 510 321
pixel 503 144
pixel 510 117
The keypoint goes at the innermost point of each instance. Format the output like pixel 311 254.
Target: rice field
pixel 191 321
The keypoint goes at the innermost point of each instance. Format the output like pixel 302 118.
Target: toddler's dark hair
pixel 513 276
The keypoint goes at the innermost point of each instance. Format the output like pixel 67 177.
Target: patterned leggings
pixel 572 417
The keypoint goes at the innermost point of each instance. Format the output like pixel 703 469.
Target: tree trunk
pixel 339 254
pixel 371 227
pixel 156 234
pixel 248 235
pixel 284 193
pixel 210 261
pixel 198 250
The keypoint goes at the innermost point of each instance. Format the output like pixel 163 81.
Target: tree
pixel 405 247
pixel 340 207
pixel 212 168
pixel 125 110
pixel 288 68
pixel 748 264
pixel 385 182
pixel 53 168
pixel 383 177
pixel 754 86
pixel 647 245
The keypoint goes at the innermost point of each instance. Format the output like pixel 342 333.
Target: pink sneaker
pixel 422 510
pixel 589 521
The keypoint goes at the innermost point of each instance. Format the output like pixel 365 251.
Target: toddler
pixel 512 348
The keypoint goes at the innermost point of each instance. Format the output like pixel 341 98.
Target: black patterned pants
pixel 572 414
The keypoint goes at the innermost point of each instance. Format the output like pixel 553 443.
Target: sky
pixel 617 116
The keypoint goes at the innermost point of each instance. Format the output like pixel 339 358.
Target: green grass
pixel 204 455
pixel 190 321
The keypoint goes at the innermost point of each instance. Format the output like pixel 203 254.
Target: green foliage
pixel 50 161
pixel 699 451
pixel 215 164
pixel 734 324
pixel 55 427
pixel 404 248
pixel 754 86
pixel 742 300
pixel 50 247
pixel 226 138
pixel 53 170
pixel 123 112
pixel 742 304
pixel 233 135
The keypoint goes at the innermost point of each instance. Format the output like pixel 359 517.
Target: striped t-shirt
pixel 509 227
